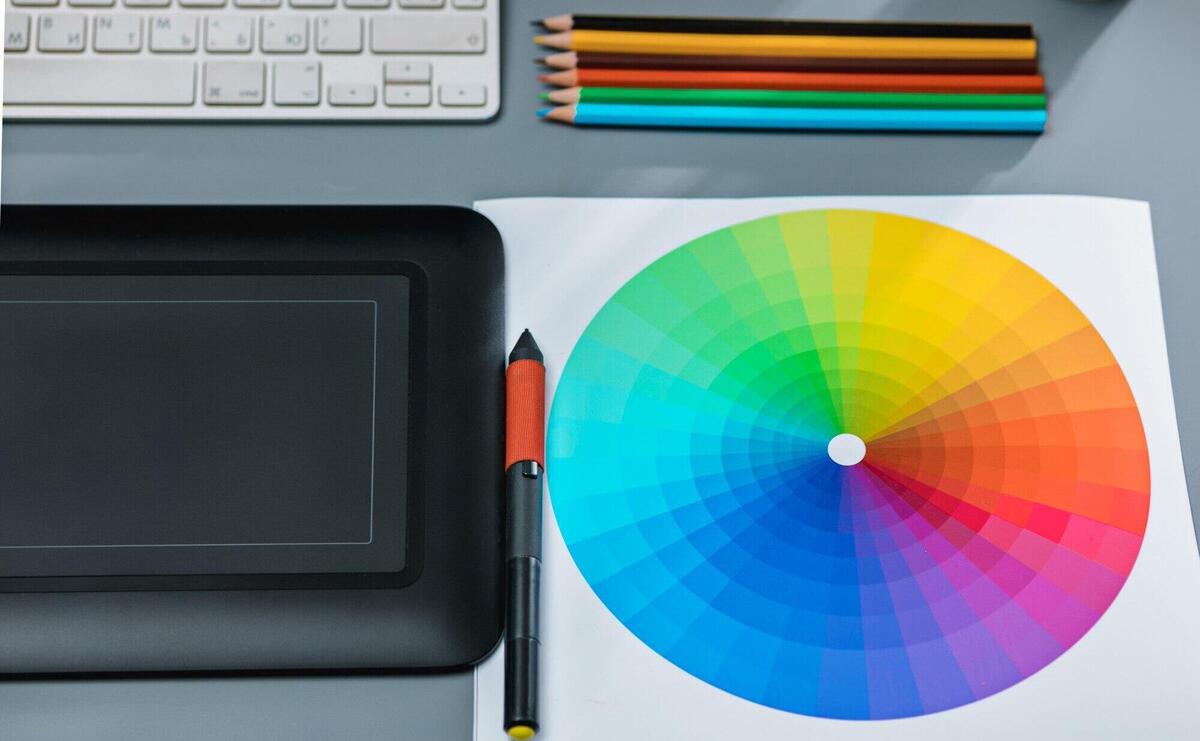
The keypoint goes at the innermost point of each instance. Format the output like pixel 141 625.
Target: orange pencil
pixel 907 83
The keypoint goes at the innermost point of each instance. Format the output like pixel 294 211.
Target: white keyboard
pixel 367 60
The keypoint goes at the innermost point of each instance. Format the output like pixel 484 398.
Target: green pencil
pixel 792 98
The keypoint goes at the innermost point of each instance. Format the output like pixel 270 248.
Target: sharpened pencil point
pixel 544 112
pixel 558 22
pixel 563 114
pixel 562 78
pixel 526 349
pixel 544 96
pixel 561 60
pixel 560 40
pixel 564 97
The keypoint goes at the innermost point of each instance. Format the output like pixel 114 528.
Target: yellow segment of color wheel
pixel 952 312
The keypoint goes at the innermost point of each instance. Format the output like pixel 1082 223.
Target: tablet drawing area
pixel 159 420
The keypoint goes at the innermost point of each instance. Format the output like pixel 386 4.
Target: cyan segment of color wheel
pixel 995 516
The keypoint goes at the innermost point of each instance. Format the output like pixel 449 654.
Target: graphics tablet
pixel 249 439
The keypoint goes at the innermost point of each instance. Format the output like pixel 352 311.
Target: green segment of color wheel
pixel 808 98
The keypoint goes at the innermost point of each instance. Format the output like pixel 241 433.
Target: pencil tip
pixel 544 96
pixel 563 96
pixel 526 349
pixel 545 111
pixel 540 39
pixel 558 22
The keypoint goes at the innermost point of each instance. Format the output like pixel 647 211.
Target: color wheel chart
pixel 848 464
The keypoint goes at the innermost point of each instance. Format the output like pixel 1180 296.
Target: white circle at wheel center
pixel 847 449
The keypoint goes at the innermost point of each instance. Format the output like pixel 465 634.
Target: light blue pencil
pixel 736 117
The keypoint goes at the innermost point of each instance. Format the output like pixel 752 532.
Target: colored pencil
pixel 781 27
pixel 585 60
pixel 791 98
pixel 733 117
pixel 797 81
pixel 793 46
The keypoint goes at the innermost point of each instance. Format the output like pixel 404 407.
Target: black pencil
pixel 605 60
pixel 781 27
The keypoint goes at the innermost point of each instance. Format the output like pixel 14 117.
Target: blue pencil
pixel 735 117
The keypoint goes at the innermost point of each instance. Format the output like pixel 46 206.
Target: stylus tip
pixel 525 349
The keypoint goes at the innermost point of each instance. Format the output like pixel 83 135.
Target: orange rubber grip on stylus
pixel 525 418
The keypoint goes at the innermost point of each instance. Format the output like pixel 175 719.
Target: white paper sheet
pixel 1135 674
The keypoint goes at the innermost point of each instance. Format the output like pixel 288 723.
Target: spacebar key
pixel 43 81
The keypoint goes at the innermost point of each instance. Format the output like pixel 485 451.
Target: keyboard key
pixel 91 3
pixel 462 95
pixel 235 83
pixel 257 3
pixel 78 81
pixel 470 4
pixel 297 83
pixel 38 3
pixel 339 34
pixel 147 3
pixel 117 33
pixel 422 3
pixel 368 4
pixel 224 34
pixel 59 32
pixel 285 35
pixel 408 72
pixel 173 34
pixel 202 3
pixel 312 3
pixel 16 32
pixel 445 34
pixel 407 95
pixel 357 95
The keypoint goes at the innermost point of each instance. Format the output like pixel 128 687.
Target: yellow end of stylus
pixel 521 733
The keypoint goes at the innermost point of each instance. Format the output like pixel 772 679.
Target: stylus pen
pixel 524 459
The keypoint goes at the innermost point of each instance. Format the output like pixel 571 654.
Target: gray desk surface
pixel 1124 106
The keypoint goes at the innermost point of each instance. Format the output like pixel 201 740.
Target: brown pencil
pixel 796 81
pixel 587 60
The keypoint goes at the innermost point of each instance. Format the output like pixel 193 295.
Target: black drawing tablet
pixel 249 439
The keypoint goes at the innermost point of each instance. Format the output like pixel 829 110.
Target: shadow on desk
pixel 375 708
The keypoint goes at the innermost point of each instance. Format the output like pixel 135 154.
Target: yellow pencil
pixel 626 42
